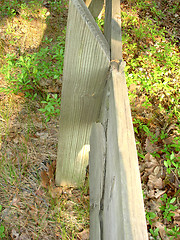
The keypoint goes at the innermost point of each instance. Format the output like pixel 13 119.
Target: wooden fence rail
pixel 95 115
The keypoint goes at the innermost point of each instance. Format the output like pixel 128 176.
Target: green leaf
pixel 56 76
pixel 42 110
pixel 152 215
pixel 1 229
pixel 172 156
pixel 48 118
pixel 173 200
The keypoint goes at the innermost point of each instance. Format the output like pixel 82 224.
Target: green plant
pixel 2 235
pixel 25 73
pixel 51 106
pixel 154 233
pixel 10 8
pixel 167 207
pixel 58 5
pixel 172 164
pixel 150 216
pixel 173 233
pixel 152 76
pixel 100 23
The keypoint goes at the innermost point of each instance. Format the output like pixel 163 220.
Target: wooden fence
pixel 95 116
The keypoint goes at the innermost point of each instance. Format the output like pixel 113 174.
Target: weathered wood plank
pixel 124 216
pixel 113 219
pixel 112 28
pixel 107 21
pixel 119 212
pixel 95 7
pixel 96 178
pixel 116 39
pixel 86 65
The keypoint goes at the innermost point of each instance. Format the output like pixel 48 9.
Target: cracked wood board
pixel 117 211
pixel 86 65
pixel 96 177
pixel 124 216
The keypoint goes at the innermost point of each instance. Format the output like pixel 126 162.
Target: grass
pixel 31 65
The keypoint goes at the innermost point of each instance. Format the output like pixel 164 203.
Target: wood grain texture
pixel 124 216
pixel 121 214
pixel 96 177
pixel 116 39
pixel 86 65
pixel 112 28
pixel 107 21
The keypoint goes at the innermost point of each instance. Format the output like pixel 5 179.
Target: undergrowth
pixel 153 79
pixel 30 86
pixel 27 73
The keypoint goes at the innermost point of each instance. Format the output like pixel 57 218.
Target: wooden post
pixel 112 28
pixel 86 65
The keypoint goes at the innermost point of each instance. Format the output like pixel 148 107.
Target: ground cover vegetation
pixel 31 57
pixel 32 41
pixel 150 35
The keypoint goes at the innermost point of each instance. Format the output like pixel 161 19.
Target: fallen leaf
pixel 51 171
pixel 44 179
pixel 150 147
pixel 150 163
pixel 151 194
pixel 132 87
pixel 20 95
pixel 15 201
pixel 159 193
pixel 176 217
pixel 168 140
pixel 42 135
pixel 171 127
pixel 84 235
pixel 155 182
pixel 56 191
pixel 14 234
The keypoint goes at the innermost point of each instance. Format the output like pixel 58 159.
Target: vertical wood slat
pixel 107 21
pixel 116 39
pixel 112 28
pixel 86 65
pixel 96 178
